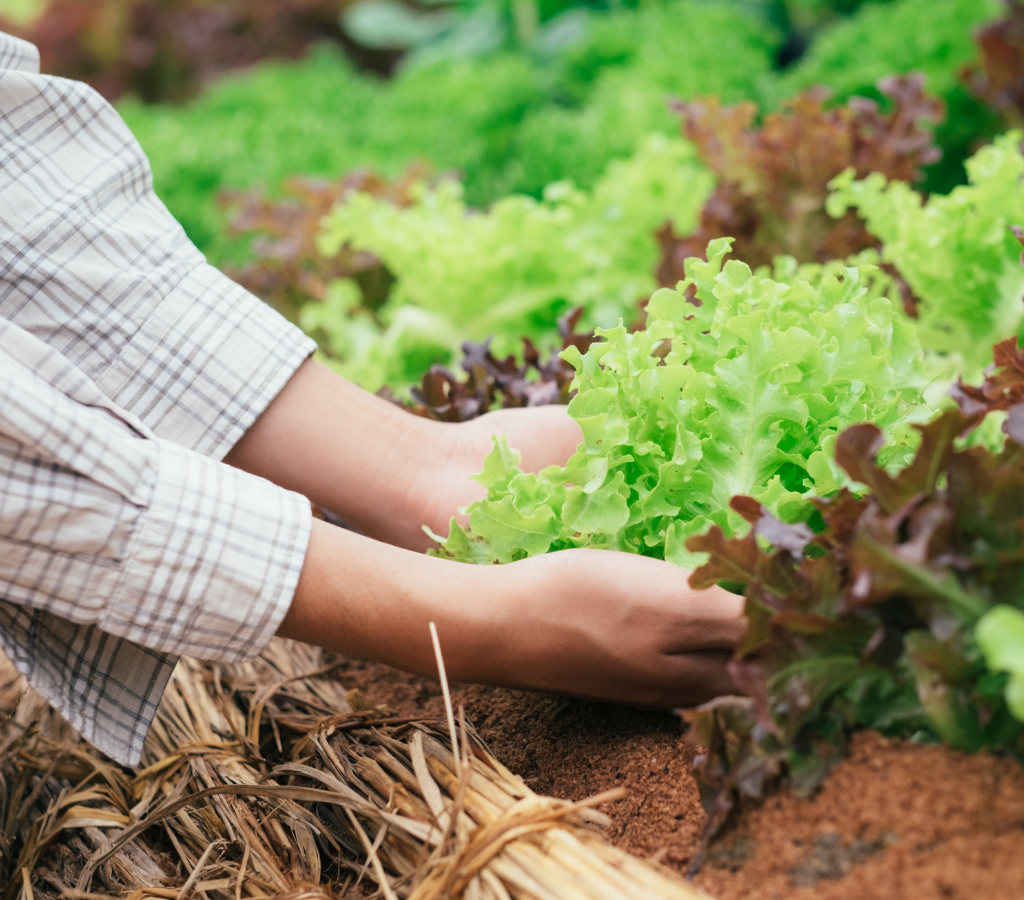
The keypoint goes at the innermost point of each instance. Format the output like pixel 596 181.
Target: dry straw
pixel 270 780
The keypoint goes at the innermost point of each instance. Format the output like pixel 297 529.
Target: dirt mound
pixel 895 820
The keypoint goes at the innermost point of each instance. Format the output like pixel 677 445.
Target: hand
pixel 544 436
pixel 616 627
pixel 385 472
pixel 588 623
pixel 585 622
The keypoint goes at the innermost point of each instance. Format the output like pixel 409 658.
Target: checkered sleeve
pixel 120 551
pixel 93 264
pixel 128 366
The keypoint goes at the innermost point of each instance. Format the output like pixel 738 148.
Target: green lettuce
pixel 511 271
pixel 956 251
pixel 935 37
pixel 1000 636
pixel 743 394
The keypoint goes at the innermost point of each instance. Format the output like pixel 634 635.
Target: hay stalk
pixel 270 780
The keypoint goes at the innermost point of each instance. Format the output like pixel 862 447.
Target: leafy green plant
pixel 933 37
pixel 1000 636
pixel 805 15
pixel 614 86
pixel 773 179
pixel 1000 632
pixel 509 122
pixel 512 271
pixel 871 622
pixel 969 291
pixel 743 393
pixel 286 268
pixel 320 118
pixel 513 121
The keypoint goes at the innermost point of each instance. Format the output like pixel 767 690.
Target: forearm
pixel 368 599
pixel 595 623
pixel 348 451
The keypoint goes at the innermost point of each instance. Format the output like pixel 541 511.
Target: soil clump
pixel 894 820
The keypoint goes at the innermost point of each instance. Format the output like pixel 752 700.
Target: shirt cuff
pixel 214 561
pixel 205 363
pixel 18 55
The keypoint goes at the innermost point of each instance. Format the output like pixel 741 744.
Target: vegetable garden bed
pixel 894 820
pixel 781 421
pixel 271 779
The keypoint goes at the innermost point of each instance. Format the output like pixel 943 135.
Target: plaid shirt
pixel 128 368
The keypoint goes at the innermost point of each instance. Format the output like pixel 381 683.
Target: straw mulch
pixel 270 780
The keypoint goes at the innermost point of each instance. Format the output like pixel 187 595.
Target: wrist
pixel 451 453
pixel 365 598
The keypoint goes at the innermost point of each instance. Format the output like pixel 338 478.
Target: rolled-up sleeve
pixel 107 527
pixel 128 368
pixel 93 264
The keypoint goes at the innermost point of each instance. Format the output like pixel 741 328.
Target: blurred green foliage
pixel 20 11
pixel 931 36
pixel 509 272
pixel 320 117
pixel 935 37
pixel 515 120
pixel 509 122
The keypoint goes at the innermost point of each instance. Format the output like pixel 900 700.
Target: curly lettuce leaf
pixel 956 251
pixel 741 394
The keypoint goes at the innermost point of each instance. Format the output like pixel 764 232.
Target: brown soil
pixel 895 820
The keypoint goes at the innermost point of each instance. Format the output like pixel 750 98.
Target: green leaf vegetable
pixel 935 37
pixel 616 84
pixel 513 121
pixel 1000 636
pixel 884 617
pixel 320 117
pixel 743 394
pixel 513 270
pixel 509 122
pixel 930 36
pixel 956 251
pixel 999 499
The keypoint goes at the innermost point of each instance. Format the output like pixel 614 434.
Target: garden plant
pixel 769 254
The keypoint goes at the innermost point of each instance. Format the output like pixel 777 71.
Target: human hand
pixel 588 623
pixel 610 626
pixel 543 435
pixel 382 470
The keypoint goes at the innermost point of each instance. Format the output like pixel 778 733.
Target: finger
pixel 544 435
pixel 682 681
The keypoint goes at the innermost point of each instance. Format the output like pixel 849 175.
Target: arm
pixel 382 470
pixel 98 269
pixel 587 623
pixel 584 622
pixel 118 551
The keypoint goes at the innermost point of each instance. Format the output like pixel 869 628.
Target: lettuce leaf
pixel 956 251
pixel 741 394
